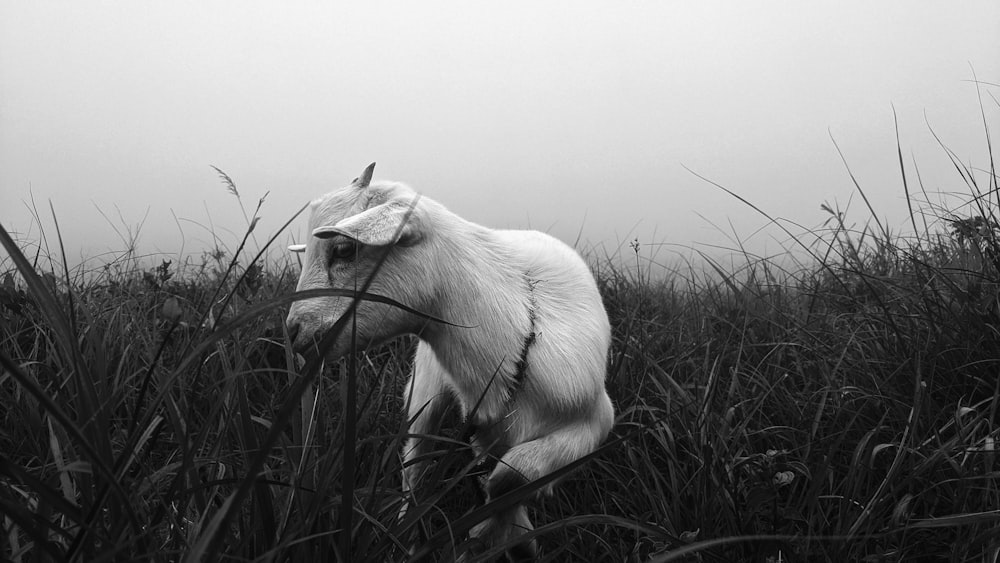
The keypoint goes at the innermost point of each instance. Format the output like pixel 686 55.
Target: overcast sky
pixel 560 116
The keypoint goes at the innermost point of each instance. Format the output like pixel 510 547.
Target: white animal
pixel 531 351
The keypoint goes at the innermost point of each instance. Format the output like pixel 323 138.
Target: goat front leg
pixel 427 399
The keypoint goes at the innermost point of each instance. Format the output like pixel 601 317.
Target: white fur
pixel 492 281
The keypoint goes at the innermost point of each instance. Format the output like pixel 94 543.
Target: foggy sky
pixel 569 117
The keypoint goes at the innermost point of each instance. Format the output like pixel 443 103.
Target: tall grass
pixel 837 407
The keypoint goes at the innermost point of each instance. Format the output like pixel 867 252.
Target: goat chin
pixel 523 351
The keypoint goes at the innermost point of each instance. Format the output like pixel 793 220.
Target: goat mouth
pixel 304 356
pixel 308 346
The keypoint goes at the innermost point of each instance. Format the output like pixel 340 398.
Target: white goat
pixel 534 358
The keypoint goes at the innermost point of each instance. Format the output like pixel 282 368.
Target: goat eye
pixel 344 251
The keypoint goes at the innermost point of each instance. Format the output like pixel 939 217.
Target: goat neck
pixel 483 285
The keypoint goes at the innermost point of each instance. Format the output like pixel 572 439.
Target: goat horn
pixel 365 178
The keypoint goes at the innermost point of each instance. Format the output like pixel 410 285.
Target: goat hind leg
pixel 529 461
pixel 501 528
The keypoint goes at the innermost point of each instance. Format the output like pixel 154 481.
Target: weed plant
pixel 837 407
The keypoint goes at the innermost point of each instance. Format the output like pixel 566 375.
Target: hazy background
pixel 571 117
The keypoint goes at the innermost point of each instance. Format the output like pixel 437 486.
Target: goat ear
pixel 365 178
pixel 297 247
pixel 382 225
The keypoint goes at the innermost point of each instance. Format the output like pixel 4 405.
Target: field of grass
pixel 836 404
